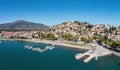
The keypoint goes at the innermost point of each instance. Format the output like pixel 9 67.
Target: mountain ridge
pixel 23 25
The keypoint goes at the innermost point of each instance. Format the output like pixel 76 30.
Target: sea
pixel 14 56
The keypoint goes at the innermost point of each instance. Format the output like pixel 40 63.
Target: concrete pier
pixel 80 55
pixel 94 53
pixel 89 58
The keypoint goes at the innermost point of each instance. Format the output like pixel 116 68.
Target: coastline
pixel 85 47
pixel 89 46
pixel 58 43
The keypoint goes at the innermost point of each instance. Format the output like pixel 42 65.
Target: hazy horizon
pixel 52 12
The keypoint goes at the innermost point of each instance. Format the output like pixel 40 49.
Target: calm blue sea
pixel 13 56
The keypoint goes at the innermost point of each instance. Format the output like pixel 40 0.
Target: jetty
pixel 95 52
pixel 39 49
pixel 80 55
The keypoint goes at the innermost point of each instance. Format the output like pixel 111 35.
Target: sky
pixel 52 12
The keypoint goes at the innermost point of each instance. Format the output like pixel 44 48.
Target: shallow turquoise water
pixel 13 56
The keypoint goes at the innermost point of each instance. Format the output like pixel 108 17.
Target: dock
pixel 39 49
pixel 89 58
pixel 80 55
pixel 96 52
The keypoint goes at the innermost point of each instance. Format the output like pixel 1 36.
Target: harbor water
pixel 14 56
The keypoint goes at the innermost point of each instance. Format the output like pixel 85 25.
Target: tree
pixel 64 23
pixel 50 36
pixel 77 22
pixel 96 34
pixel 101 39
pixel 41 35
pixel 75 38
pixel 108 42
pixel 115 44
pixel 22 37
pixel 86 40
pixel 83 39
pixel 113 28
pixel 89 26
pixel 115 33
pixel 67 36
pixel 106 30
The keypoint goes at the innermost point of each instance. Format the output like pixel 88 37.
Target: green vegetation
pixel 75 38
pixel 77 22
pixel 50 36
pixel 109 42
pixel 22 37
pixel 86 40
pixel 89 26
pixel 102 38
pixel 41 35
pixel 115 44
pixel 67 37
pixel 106 30
pixel 110 30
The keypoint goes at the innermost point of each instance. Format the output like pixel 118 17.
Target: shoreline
pixel 85 47
pixel 64 44
pixel 58 43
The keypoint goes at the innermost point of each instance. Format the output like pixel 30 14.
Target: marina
pixel 39 49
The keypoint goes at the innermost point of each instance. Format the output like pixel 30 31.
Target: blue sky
pixel 51 12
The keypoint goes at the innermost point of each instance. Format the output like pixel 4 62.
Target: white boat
pixel 53 44
pixel 78 55
pixel 40 50
pixel 28 47
pixel 96 58
pixel 34 49
pixel 51 48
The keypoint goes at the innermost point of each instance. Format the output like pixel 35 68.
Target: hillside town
pixel 73 31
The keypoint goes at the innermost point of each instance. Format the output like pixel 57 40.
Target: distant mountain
pixel 22 25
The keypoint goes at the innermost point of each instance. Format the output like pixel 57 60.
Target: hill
pixel 22 25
